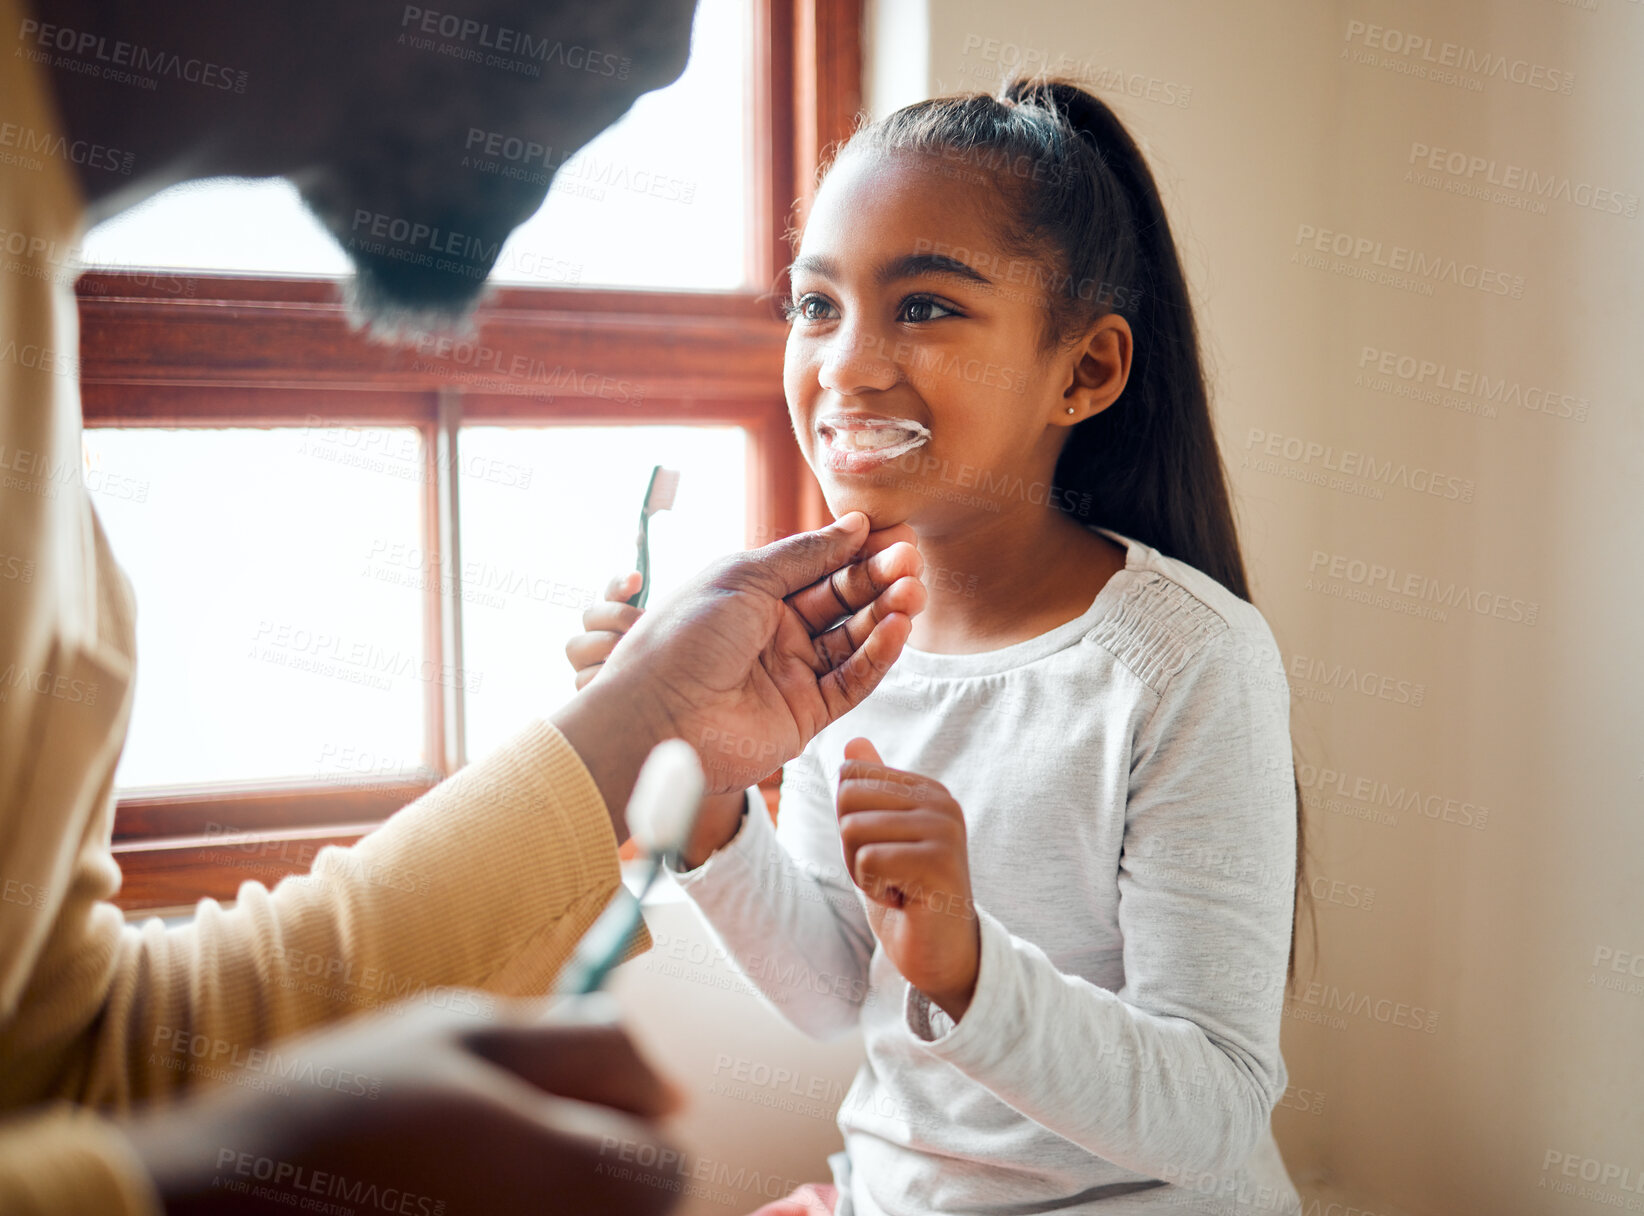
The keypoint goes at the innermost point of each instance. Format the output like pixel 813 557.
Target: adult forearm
pixel 613 725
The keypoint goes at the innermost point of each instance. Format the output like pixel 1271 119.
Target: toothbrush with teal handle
pixel 661 813
pixel 669 787
pixel 659 496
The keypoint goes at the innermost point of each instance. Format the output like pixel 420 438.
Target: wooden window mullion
pixel 449 675
pixel 433 598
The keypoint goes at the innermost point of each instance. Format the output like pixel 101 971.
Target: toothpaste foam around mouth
pixel 888 438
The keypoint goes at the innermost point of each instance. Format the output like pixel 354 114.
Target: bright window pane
pixel 659 200
pixel 548 516
pixel 269 644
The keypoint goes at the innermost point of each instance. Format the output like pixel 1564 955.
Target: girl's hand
pixel 904 839
pixel 606 621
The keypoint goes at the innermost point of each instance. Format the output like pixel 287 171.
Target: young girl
pixel 1048 867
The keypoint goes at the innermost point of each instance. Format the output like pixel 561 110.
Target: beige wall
pixel 1267 120
pixel 1501 907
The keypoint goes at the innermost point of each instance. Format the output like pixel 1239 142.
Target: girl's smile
pixel 860 443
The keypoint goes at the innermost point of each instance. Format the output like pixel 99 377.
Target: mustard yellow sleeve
pixel 486 882
pixel 67 1160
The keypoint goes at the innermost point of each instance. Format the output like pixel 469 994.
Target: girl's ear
pixel 1100 370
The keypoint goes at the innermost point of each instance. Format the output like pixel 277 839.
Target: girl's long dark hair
pixel 1082 205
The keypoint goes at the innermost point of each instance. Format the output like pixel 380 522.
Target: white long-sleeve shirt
pixel 1127 789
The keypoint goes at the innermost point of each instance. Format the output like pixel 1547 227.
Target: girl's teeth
pixel 889 439
pixel 869 441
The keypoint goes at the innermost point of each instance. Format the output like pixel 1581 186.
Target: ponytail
pixel 1082 203
pixel 1149 463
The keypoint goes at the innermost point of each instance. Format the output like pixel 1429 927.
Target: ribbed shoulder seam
pixel 1157 626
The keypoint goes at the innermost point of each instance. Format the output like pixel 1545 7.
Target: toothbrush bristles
pixel 666 798
pixel 664 485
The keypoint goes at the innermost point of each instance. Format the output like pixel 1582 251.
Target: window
pixel 260 643
pixel 357 565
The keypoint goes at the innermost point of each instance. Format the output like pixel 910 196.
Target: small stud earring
pixel 1071 410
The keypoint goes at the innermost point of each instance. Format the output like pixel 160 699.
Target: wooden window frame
pixel 271 352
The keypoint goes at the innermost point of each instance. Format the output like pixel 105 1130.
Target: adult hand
pixel 752 658
pixel 605 623
pixel 427 1111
